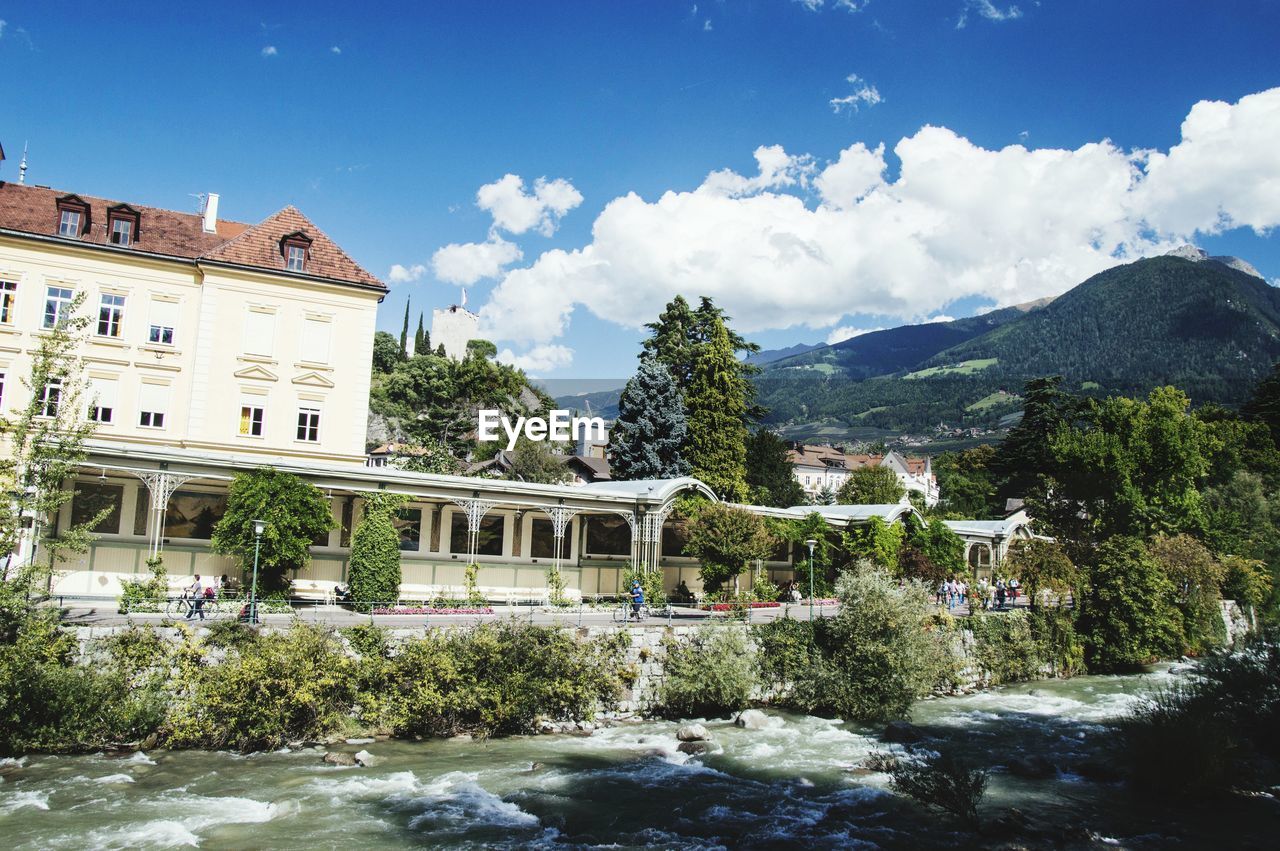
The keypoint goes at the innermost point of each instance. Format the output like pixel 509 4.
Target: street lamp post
pixel 811 544
pixel 258 527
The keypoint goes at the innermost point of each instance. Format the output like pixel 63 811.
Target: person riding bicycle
pixel 637 598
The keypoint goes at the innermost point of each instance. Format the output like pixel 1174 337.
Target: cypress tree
pixel 420 338
pixel 717 406
pixel 404 329
pixel 375 551
pixel 647 437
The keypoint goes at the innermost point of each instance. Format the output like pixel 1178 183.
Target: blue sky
pixel 382 126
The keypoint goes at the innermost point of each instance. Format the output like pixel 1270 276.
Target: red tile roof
pixel 34 210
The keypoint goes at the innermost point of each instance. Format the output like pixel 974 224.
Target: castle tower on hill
pixel 452 327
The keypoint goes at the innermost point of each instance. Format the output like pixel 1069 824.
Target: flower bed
pixel 431 610
pixel 728 607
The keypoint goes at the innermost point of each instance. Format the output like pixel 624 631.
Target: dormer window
pixel 73 216
pixel 295 248
pixel 122 225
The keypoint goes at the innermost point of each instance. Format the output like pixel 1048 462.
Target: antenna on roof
pixel 22 166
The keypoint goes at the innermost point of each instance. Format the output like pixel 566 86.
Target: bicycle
pixel 625 613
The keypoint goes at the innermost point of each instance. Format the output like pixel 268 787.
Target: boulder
pixel 339 758
pixel 365 759
pixel 752 719
pixel 693 748
pixel 693 733
pixel 902 733
pixel 364 740
pixel 1032 767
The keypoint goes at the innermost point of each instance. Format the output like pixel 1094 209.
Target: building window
pixel 153 405
pixel 164 318
pixel 121 232
pixel 1 391
pixel 92 499
pixel 408 523
pixel 251 416
pixel 8 295
pixel 57 306
pixel 608 536
pixel 293 247
pixel 489 537
pixel 309 424
pixel 102 403
pixel 69 223
pixel 51 398
pixel 259 332
pixel 110 315
pixel 315 341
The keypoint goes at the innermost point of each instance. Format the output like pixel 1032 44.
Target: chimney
pixel 211 213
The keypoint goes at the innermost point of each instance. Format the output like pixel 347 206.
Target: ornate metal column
pixel 560 519
pixel 161 485
pixel 475 509
pixel 652 535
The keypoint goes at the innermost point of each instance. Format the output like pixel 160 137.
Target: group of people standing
pixel 991 596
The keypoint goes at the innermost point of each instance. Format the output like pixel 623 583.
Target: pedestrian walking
pixel 196 592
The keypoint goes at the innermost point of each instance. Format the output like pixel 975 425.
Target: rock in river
pixel 339 758
pixel 752 719
pixel 693 733
pixel 902 733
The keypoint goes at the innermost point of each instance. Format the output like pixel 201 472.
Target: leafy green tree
pixel 876 541
pixel 386 354
pixel 725 538
pixel 828 553
pixel 871 486
pixel 536 461
pixel 375 551
pixel 1041 565
pixel 942 547
pixel 1197 579
pixel 1128 617
pixel 716 403
pixel 1245 580
pixel 914 564
pixel 673 340
pixel 428 455
pixel 481 349
pixel 43 444
pixel 770 476
pixel 295 512
pixel 967 484
pixel 647 438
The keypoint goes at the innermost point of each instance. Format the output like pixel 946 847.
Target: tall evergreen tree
pixel 1024 455
pixel 420 339
pixel 769 472
pixel 673 340
pixel 404 329
pixel 717 406
pixel 647 438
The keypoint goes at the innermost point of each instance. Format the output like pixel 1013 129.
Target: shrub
pixel 50 703
pixel 375 551
pixel 724 538
pixel 145 595
pixel 942 780
pixel 469 577
pixel 1006 648
pixel 712 674
pixel 878 654
pixel 785 651
pixel 655 596
pixel 281 687
pixel 496 679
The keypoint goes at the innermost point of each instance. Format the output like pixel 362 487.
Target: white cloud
pixel 335 50
pixel 941 317
pixel 957 220
pixel 811 5
pixel 863 94
pixel 269 50
pixel 517 211
pixel 3 24
pixel 469 262
pixel 406 274
pixel 847 332
pixel 989 10
pixel 706 26
pixel 538 359
pixel 850 6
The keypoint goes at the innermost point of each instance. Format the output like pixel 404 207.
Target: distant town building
pixel 819 468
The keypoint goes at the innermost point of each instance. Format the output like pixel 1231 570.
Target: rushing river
pixel 796 783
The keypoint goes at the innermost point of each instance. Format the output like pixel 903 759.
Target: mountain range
pixel 1209 325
